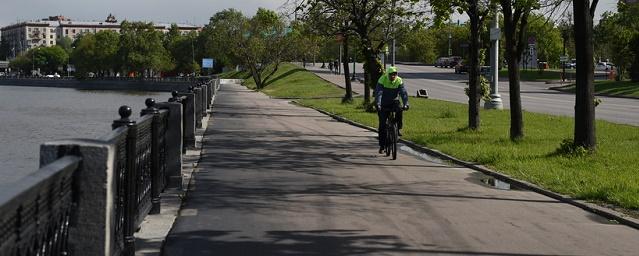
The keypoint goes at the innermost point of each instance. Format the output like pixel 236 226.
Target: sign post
pixel 208 63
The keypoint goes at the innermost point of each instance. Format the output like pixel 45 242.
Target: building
pixel 46 32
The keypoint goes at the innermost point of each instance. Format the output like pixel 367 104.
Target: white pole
pixel 495 99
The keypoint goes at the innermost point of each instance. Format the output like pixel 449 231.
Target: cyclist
pixel 389 87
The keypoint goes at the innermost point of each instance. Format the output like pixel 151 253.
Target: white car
pixel 603 66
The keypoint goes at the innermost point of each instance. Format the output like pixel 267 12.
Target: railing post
pixel 91 225
pixel 209 96
pixel 156 170
pixel 173 142
pixel 204 101
pixel 131 175
pixel 189 118
pixel 198 106
pixel 174 97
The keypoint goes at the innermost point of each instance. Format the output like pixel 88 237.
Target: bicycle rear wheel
pixel 394 138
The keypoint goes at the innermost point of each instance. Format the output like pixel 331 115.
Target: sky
pixel 195 12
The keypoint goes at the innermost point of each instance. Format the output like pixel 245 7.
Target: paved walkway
pixel 278 179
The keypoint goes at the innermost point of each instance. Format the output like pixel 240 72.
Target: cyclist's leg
pixel 383 115
pixel 399 114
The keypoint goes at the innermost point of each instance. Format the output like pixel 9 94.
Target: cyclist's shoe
pixel 381 149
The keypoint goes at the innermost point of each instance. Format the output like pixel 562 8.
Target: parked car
pixel 603 66
pixel 453 60
pixel 442 62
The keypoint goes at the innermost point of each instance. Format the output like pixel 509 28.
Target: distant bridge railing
pixel 90 195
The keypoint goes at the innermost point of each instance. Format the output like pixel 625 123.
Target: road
pixel 278 179
pixel 444 84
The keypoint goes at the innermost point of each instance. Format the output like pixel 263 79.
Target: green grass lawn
pixel 291 81
pixel 617 88
pixel 610 176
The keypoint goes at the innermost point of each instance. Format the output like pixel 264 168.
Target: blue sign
pixel 208 63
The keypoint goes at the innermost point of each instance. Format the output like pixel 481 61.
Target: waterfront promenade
pixel 279 179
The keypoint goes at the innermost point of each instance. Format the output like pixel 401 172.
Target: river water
pixel 30 116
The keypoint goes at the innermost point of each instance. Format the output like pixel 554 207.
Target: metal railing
pixel 90 196
pixel 35 212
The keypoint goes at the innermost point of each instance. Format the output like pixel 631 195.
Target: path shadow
pixel 328 242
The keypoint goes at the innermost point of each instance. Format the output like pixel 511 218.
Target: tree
pixel 224 31
pixel 617 36
pixel 516 15
pixel 97 53
pixel 584 135
pixel 262 45
pixel 418 45
pixel 548 37
pixel 66 43
pixel 477 11
pixel 182 50
pixel 332 23
pixel 106 52
pixel 54 58
pixel 371 21
pixel 141 49
pixel 83 55
pixel 22 63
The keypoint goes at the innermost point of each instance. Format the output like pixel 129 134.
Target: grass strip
pixel 615 88
pixel 292 81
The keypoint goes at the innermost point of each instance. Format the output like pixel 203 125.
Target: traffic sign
pixel 208 63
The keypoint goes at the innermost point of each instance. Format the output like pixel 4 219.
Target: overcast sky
pixel 196 12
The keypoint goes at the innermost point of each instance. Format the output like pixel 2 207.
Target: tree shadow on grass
pixel 285 74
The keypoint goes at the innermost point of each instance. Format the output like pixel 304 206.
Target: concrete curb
pixel 596 209
pixel 154 229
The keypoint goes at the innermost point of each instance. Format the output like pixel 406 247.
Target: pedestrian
pixel 330 66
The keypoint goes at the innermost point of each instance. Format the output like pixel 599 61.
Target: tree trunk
pixel 372 74
pixel 348 97
pixel 513 54
pixel 473 83
pixel 584 99
pixel 516 116
pixel 634 65
pixel 256 77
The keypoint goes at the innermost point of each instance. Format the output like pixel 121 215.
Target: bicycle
pixel 392 131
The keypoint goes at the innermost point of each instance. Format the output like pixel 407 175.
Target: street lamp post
pixel 563 63
pixel 495 99
pixel 450 37
pixel 353 77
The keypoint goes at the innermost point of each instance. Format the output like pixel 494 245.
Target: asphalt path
pixel 278 179
pixel 444 84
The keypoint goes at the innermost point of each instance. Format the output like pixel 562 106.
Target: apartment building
pixel 26 35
